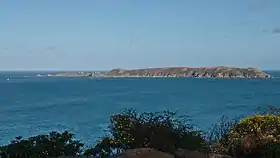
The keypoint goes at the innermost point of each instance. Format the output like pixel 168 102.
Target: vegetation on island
pixel 252 136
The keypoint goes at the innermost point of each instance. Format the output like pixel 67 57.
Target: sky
pixel 106 34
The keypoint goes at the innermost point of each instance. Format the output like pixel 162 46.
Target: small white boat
pixel 8 79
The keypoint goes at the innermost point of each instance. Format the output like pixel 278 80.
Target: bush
pixel 53 145
pixel 255 135
pixel 163 131
pixel 272 150
pixel 104 148
pixel 218 138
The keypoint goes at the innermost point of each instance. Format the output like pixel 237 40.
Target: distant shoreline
pixel 172 72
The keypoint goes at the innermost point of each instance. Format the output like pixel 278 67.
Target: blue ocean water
pixel 31 105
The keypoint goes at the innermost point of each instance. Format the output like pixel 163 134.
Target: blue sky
pixel 105 34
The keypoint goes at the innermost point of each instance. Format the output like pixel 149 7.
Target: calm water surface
pixel 31 105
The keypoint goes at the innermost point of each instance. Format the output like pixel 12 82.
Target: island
pixel 202 72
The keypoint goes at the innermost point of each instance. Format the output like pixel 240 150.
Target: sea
pixel 32 105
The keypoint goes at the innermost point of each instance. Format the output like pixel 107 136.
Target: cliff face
pixel 216 72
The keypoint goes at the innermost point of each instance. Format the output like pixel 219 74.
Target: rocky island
pixel 213 72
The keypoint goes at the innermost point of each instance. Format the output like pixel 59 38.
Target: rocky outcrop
pixel 215 72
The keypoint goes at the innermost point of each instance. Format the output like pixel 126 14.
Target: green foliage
pixel 255 135
pixel 53 145
pixel 252 136
pixel 271 150
pixel 104 148
pixel 218 138
pixel 163 131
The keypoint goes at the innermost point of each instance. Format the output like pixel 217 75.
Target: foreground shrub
pixel 53 145
pixel 163 131
pixel 257 135
pixel 104 148
pixel 272 150
pixel 218 138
